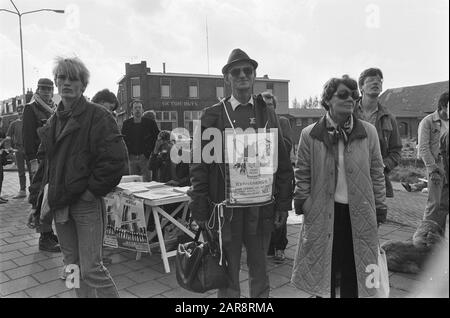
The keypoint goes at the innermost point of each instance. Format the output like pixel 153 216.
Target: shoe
pixel 47 244
pixel 279 256
pixel 3 200
pixel 406 186
pixel 21 194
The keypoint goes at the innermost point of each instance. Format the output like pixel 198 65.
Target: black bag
pixel 197 266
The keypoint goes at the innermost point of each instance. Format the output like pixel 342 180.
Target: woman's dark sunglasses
pixel 235 72
pixel 344 94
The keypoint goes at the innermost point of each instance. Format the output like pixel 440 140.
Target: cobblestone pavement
pixel 26 272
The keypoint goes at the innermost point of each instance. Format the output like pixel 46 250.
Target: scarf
pixel 335 131
pixel 48 108
pixel 62 116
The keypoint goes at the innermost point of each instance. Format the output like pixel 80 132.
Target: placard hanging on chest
pixel 251 162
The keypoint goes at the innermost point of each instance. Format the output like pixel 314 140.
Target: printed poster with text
pixel 131 230
pixel 251 159
pixel 112 207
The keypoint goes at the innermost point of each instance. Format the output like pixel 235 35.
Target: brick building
pixel 178 98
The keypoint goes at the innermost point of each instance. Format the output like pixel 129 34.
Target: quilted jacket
pixel 316 176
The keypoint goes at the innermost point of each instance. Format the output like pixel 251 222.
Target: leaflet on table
pixel 135 187
pixel 158 193
pixel 112 206
pixel 131 230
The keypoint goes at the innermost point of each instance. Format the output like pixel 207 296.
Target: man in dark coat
pixel 35 115
pixel 251 225
pixel 84 159
pixel 369 108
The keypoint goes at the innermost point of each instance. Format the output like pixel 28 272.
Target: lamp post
pixel 20 14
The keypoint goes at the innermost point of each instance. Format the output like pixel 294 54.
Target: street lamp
pixel 20 14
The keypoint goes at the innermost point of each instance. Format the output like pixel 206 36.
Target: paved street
pixel 27 272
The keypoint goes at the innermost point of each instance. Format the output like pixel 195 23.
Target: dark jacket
pixel 287 133
pixel 165 170
pixel 388 134
pixel 149 137
pixel 89 154
pixel 34 117
pixel 390 142
pixel 208 185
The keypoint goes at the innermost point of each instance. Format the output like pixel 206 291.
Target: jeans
pixel 81 240
pixel 437 204
pixel 139 166
pixel 20 163
pixel 256 246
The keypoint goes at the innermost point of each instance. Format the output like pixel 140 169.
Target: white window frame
pixel 135 86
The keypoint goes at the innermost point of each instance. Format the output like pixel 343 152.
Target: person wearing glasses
pixel 369 108
pixel 248 225
pixel 84 159
pixel 340 190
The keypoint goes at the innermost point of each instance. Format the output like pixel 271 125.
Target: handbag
pixel 383 288
pixel 197 266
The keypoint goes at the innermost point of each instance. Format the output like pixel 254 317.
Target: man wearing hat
pixel 35 115
pixel 251 225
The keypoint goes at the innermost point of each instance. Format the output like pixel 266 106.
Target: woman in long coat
pixel 341 192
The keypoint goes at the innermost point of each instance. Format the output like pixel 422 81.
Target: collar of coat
pixel 320 132
pixel 382 111
pixel 72 125
pixel 215 115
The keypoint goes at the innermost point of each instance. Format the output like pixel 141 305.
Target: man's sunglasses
pixel 344 94
pixel 235 72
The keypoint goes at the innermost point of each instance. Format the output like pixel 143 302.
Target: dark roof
pixel 307 112
pixel 413 101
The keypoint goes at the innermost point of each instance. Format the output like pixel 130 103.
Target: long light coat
pixel 316 177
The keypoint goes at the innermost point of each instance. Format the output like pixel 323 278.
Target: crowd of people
pixel 76 153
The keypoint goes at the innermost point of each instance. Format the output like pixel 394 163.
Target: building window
pixel 189 117
pixel 269 88
pixel 193 88
pixel 165 88
pixel 220 92
pixel 167 120
pixel 135 87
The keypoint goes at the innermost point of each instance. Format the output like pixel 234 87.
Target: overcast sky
pixel 304 41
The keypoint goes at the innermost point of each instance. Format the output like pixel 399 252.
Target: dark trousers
pixel 278 240
pixel 343 259
pixel 256 246
pixel 1 178
pixel 20 163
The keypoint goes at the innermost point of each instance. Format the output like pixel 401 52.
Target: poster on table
pixel 251 161
pixel 131 230
pixel 112 207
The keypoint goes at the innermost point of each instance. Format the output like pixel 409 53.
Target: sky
pixel 304 41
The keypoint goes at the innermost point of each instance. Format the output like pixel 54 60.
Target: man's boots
pixel 48 243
